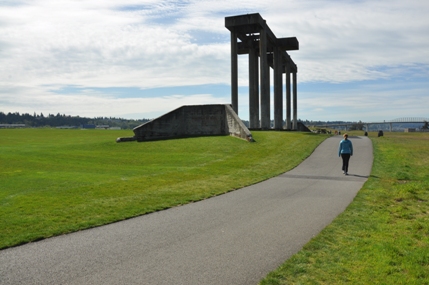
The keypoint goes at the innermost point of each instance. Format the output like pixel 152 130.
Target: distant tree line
pixel 58 120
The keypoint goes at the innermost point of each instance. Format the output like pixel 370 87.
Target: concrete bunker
pixel 192 121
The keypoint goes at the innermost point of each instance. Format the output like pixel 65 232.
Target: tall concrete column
pixel 278 89
pixel 265 81
pixel 247 32
pixel 253 89
pixel 288 106
pixel 234 72
pixel 295 103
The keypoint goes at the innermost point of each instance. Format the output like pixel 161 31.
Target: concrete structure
pixel 257 40
pixel 192 121
pixel 302 128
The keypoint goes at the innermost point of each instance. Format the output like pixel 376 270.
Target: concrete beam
pixel 288 101
pixel 251 41
pixel 295 103
pixel 254 89
pixel 265 82
pixel 234 72
pixel 278 89
pixel 288 43
pixel 249 24
pixel 243 48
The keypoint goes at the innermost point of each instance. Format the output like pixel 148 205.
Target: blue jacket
pixel 345 147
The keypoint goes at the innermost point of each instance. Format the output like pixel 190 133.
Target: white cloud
pixel 353 36
pixel 149 43
pixel 92 103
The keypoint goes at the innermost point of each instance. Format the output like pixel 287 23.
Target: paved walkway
pixel 236 238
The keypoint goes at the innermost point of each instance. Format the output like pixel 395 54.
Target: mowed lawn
pixel 383 236
pixel 55 181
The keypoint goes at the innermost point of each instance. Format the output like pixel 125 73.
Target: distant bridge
pixel 415 120
pixel 403 120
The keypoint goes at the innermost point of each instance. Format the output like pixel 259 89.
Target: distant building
pixel 67 127
pixel 12 125
pixel 409 130
pixel 88 126
pixel 102 127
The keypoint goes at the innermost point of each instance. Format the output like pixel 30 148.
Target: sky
pixel 358 60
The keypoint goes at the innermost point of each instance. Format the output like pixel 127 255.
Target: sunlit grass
pixel 58 181
pixel 383 236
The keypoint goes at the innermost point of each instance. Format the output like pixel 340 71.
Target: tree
pixel 425 125
pixel 357 126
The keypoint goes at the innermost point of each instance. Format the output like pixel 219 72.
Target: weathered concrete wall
pixel 236 127
pixel 302 127
pixel 192 121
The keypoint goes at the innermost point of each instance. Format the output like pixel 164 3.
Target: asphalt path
pixel 235 238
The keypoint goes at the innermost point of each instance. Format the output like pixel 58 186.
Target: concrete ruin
pixel 264 49
pixel 192 121
pixel 249 35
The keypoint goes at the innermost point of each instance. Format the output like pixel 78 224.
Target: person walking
pixel 345 150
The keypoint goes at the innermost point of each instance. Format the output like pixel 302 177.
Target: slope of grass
pixel 58 181
pixel 383 236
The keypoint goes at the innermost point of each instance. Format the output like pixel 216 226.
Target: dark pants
pixel 346 158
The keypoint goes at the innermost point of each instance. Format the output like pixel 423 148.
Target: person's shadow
pixel 363 176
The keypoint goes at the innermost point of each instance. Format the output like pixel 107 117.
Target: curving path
pixel 236 238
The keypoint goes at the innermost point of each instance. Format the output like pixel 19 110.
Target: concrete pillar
pixel 265 81
pixel 288 106
pixel 278 89
pixel 295 103
pixel 234 72
pixel 253 89
pixel 390 127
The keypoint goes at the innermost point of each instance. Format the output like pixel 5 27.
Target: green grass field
pixel 383 236
pixel 56 181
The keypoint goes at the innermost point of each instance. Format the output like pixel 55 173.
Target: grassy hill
pixel 57 181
